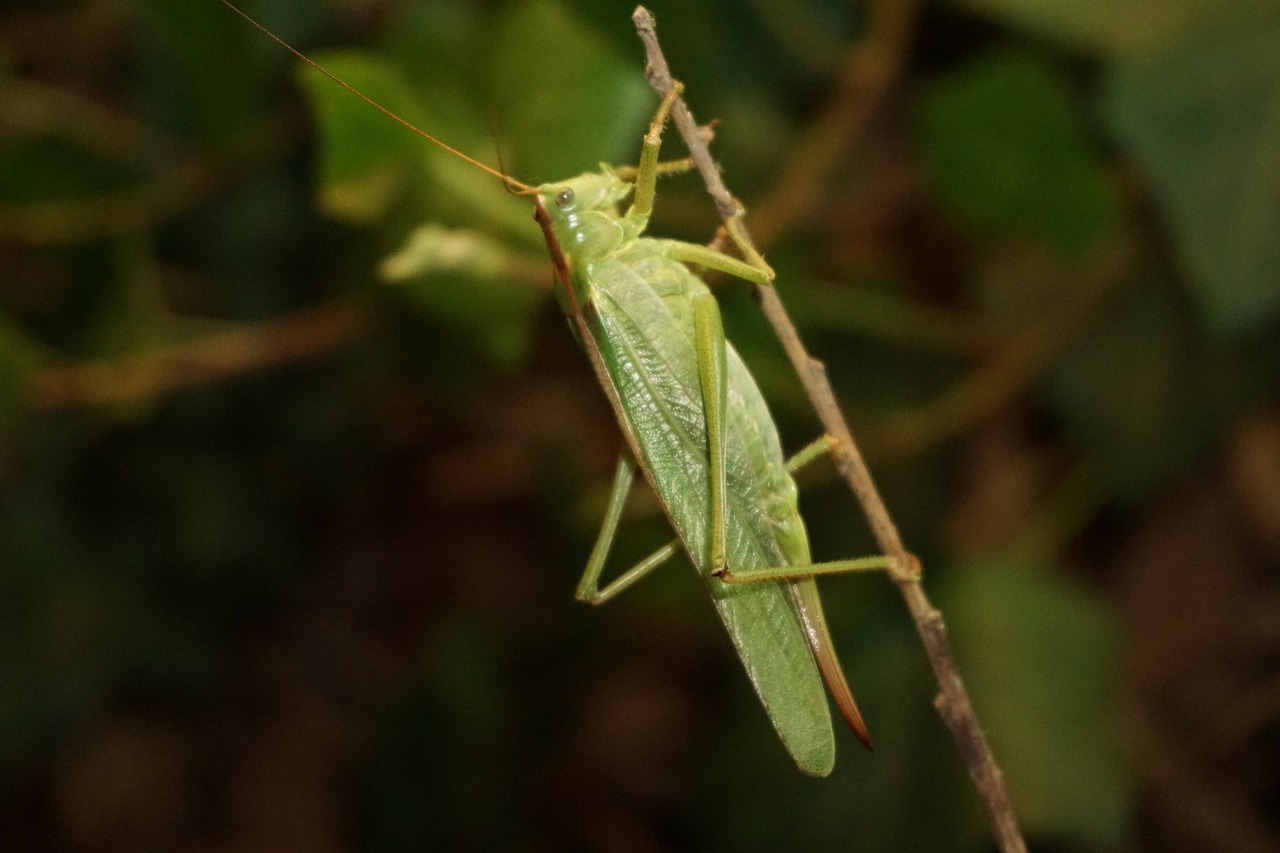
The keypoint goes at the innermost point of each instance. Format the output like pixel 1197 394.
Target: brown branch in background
pixel 869 71
pixel 952 701
pixel 237 349
pixel 1013 367
pixel 185 179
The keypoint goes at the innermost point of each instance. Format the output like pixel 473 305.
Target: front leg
pixel 646 178
pixel 754 269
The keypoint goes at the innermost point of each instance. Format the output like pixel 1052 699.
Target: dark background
pixel 287 550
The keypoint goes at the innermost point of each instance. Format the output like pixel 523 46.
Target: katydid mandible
pixel 696 425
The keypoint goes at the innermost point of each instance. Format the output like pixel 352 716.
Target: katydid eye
pixel 564 197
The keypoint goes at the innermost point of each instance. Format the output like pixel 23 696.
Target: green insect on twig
pixel 696 425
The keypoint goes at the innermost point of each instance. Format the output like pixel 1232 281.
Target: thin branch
pixel 236 349
pixel 184 179
pixel 869 70
pixel 1014 366
pixel 952 700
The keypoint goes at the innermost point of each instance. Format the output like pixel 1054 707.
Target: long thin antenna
pixel 506 179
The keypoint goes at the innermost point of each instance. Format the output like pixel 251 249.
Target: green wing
pixel 654 369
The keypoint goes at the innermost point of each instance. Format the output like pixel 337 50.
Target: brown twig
pixel 1014 366
pixel 867 73
pixel 176 178
pixel 236 349
pixel 952 701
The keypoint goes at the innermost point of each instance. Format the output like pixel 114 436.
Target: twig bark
pixel 952 701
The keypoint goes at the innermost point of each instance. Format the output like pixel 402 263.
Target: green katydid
pixel 695 423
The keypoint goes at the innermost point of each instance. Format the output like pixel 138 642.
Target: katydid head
pixel 576 217
pixel 580 213
pixel 601 190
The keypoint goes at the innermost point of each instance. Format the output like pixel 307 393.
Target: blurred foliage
pixel 1042 150
pixel 299 464
pixel 1014 616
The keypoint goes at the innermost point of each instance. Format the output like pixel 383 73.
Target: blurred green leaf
pixel 495 313
pixel 554 123
pixel 1124 27
pixel 557 123
pixel 1041 660
pixel 202 71
pixel 1007 153
pixel 565 95
pixel 457 276
pixel 366 159
pixel 1203 123
pixel 369 161
pixel 19 358
pixel 50 169
pixel 1142 397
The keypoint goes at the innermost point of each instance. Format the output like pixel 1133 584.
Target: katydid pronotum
pixel 696 425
